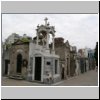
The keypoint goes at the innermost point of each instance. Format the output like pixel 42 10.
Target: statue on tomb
pixel 43 34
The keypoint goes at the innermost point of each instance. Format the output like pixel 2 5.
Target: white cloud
pixel 80 29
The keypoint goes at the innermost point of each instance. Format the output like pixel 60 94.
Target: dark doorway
pixel 82 65
pixel 55 66
pixel 6 66
pixel 67 67
pixel 62 73
pixel 85 66
pixel 19 63
pixel 38 68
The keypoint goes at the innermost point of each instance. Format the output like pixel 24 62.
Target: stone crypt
pixel 43 63
pixel 35 60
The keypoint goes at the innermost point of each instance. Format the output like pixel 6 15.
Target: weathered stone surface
pixel 22 49
pixel 63 50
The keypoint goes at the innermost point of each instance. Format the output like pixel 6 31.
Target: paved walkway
pixel 12 82
pixel 89 78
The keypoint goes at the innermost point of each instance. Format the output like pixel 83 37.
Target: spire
pixel 46 21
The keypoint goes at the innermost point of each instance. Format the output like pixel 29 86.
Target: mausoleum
pixel 34 60
pixel 43 62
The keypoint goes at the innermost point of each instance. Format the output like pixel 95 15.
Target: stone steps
pixel 18 77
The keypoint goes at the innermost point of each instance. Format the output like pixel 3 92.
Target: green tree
pixel 96 53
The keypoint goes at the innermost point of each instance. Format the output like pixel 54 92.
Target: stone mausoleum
pixel 36 60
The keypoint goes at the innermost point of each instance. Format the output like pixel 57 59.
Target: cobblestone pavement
pixel 89 78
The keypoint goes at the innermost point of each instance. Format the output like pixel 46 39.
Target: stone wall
pixel 4 58
pixel 60 51
pixel 72 64
pixel 63 50
pixel 22 49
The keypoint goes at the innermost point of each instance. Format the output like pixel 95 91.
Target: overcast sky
pixel 80 30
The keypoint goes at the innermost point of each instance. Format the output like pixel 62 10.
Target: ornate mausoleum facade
pixel 35 60
pixel 43 62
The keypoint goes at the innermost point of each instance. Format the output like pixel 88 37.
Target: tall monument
pixel 44 32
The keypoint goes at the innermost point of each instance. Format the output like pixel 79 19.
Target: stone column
pixel 37 39
pixel 53 43
pixel 47 42
pixel 46 21
pixel 33 69
pixel 42 68
pixel 53 63
pixel 8 69
pixel 43 42
pixel 58 67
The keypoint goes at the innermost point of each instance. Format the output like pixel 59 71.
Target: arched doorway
pixel 19 63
